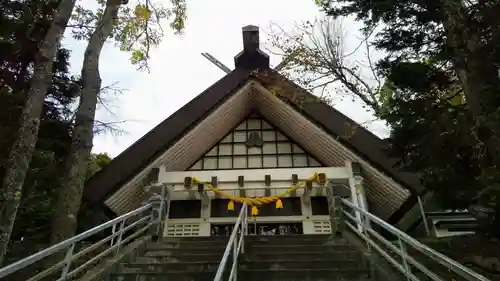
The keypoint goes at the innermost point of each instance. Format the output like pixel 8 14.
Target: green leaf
pixel 142 12
pixel 137 56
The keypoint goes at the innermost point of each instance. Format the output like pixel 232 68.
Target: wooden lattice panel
pixel 183 229
pixel 321 227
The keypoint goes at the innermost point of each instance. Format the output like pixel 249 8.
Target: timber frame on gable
pixel 253 85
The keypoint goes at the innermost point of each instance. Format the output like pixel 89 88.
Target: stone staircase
pixel 302 257
pixel 277 258
pixel 173 259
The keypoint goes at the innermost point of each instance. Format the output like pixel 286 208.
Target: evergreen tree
pixel 441 96
pixel 24 23
pixel 23 26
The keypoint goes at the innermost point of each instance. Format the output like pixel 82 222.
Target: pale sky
pixel 179 73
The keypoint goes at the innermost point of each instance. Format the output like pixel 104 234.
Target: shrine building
pixel 256 134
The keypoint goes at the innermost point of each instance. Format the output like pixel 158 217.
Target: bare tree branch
pixel 108 127
pixel 107 95
pixel 314 56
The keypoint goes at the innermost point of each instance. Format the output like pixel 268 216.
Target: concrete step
pixel 208 242
pixel 277 238
pixel 192 266
pixel 170 276
pixel 293 237
pixel 195 239
pixel 135 267
pixel 170 248
pixel 266 248
pixel 304 275
pixel 299 239
pixel 188 243
pixel 162 256
pixel 175 251
pixel 248 275
pixel 302 264
pixel 200 246
pixel 253 252
pixel 291 256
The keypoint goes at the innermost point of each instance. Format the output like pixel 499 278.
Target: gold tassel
pixel 279 204
pixel 255 211
pixel 230 205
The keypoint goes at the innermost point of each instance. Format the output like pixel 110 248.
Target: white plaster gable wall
pixel 276 151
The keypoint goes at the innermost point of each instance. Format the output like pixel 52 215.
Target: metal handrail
pixel 119 226
pixel 241 227
pixel 403 239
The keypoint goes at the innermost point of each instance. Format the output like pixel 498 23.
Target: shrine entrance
pixel 259 229
pixel 208 203
pixel 270 220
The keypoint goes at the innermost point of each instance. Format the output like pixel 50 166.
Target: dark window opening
pixel 185 209
pixel 319 206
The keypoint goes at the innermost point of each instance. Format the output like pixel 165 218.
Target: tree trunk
pixel 24 145
pixel 68 204
pixel 477 74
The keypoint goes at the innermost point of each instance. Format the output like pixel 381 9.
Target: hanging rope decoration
pixel 255 203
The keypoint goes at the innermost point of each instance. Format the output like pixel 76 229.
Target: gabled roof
pixel 251 65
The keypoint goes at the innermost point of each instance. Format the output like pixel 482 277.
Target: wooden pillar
pixel 360 190
pixel 354 192
pixel 205 208
pixel 358 183
pixel 306 200
pixel 162 210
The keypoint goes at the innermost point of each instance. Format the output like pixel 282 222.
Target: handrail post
pixel 113 237
pixel 235 259
pixel 159 204
pixel 153 215
pixel 424 217
pixel 244 229
pixel 334 194
pixel 120 236
pixel 161 211
pixel 404 254
pixel 67 261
